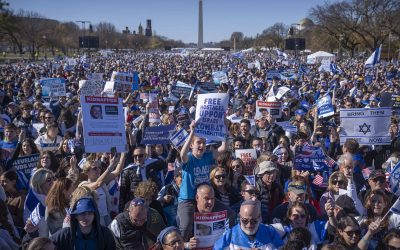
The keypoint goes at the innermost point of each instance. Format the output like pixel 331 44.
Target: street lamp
pixel 341 38
pixel 44 44
pixel 390 36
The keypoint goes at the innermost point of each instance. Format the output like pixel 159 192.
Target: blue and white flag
pixel 250 179
pixel 238 55
pixel 325 107
pixel 281 54
pixel 335 69
pixel 396 207
pixel 394 180
pixel 374 58
pixel 179 137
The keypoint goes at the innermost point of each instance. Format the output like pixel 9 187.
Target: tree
pixel 274 35
pixel 236 39
pixel 8 26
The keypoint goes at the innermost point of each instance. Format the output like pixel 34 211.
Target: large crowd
pixel 147 197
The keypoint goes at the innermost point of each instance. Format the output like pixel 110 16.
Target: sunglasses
pixel 47 117
pixel 335 182
pixel 138 156
pixel 236 166
pixel 218 177
pixel 137 202
pixel 351 233
pixel 251 192
pixel 247 221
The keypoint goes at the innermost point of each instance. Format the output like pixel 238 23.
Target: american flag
pixel 330 162
pixel 318 180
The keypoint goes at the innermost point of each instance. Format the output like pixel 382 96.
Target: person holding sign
pixel 195 170
pixel 250 233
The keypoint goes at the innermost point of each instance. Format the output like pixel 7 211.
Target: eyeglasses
pixel 336 182
pixel 173 243
pixel 48 117
pixel 298 216
pixel 351 233
pixel 389 247
pixel 247 221
pixel 379 179
pixel 251 192
pixel 218 177
pixel 138 156
pixel 236 166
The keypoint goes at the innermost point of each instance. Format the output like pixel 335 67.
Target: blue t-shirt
pixel 194 172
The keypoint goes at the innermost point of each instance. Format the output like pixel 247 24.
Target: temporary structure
pixel 319 56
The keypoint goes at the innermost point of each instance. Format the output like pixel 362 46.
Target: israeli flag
pixel 374 58
pixel 396 207
pixel 394 179
pixel 250 179
pixel 179 137
pixel 335 69
pixel 282 54
pixel 238 55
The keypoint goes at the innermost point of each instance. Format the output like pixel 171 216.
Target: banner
pixel 179 138
pixel 179 89
pixel 273 73
pixel 288 127
pixel 25 164
pixel 219 77
pixel 367 126
pixel 90 87
pixel 55 86
pixel 103 124
pixel 281 92
pixel 210 115
pixel 123 81
pixel 309 158
pixel 249 158
pixel 158 135
pixel 109 88
pixel 96 76
pixel 208 228
pixel 154 112
pixel 206 87
pixel 325 107
pixel 272 108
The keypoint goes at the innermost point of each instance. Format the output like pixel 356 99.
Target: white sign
pixel 55 86
pixel 208 228
pixel 90 87
pixel 210 115
pixel 249 158
pixel 154 112
pixel 367 126
pixel 123 81
pixel 272 108
pixel 103 124
pixel 282 91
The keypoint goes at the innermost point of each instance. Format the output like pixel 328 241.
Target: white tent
pixel 319 56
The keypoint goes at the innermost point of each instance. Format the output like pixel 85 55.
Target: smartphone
pixel 113 151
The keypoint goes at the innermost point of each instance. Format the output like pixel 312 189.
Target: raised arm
pixel 186 146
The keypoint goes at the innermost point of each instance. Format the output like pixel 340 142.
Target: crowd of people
pixel 147 197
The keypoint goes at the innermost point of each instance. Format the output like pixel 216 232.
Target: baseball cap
pixel 297 187
pixel 266 166
pixel 376 173
pixel 300 112
pixel 347 204
pixel 84 205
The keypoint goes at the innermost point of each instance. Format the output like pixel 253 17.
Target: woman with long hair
pixel 235 173
pixel 47 160
pixel 337 185
pixel 15 198
pixel 8 238
pixel 98 182
pixel 57 203
pixel 377 204
pixel 67 122
pixel 223 191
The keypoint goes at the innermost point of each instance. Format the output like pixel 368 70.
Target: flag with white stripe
pixel 179 137
pixel 374 57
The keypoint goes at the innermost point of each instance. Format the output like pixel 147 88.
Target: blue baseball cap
pixel 84 205
pixel 135 108
pixel 300 112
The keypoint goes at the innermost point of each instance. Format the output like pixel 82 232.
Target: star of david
pixel 365 128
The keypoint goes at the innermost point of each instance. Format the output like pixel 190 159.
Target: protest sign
pixel 179 138
pixel 158 135
pixel 135 83
pixel 36 129
pixel 309 158
pixel 55 86
pixel 396 101
pixel 282 91
pixel 219 77
pixel 103 124
pixel 249 158
pixel 109 88
pixel 272 108
pixel 90 87
pixel 288 127
pixel 154 112
pixel 96 76
pixel 325 65
pixel 123 81
pixel 25 164
pixel 289 74
pixel 325 107
pixel 367 126
pixel 206 87
pixel 208 228
pixel 210 115
pixel 179 89
pixel 183 119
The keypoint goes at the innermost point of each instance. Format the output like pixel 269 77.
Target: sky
pixel 176 19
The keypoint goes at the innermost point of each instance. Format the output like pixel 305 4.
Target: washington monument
pixel 200 35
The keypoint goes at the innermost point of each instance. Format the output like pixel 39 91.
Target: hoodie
pixel 72 238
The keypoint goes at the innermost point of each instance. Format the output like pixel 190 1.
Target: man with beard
pixel 136 228
pixel 250 233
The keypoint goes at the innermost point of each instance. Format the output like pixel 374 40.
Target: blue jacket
pixel 235 238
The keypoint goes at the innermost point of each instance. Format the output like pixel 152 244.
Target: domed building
pixel 305 23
